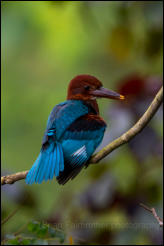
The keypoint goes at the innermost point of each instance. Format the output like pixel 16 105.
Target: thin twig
pixel 21 229
pixel 152 210
pixel 10 215
pixel 126 137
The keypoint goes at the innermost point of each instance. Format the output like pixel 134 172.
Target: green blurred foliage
pixel 40 234
pixel 44 45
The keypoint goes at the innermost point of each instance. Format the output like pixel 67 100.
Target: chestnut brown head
pixel 87 87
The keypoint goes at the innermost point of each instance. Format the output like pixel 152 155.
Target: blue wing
pixel 79 142
pixel 62 116
pixel 50 161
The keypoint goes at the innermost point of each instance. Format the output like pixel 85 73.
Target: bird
pixel 74 131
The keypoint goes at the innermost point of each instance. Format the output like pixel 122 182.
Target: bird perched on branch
pixel 74 130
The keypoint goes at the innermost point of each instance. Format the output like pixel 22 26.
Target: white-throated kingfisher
pixel 74 130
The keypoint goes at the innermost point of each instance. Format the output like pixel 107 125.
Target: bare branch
pixel 152 210
pixel 10 179
pixel 132 132
pixel 126 137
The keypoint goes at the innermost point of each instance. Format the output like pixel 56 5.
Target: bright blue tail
pixel 49 163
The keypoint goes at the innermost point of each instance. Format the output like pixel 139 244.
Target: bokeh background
pixel 44 45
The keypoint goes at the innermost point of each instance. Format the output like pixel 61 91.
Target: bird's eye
pixel 87 87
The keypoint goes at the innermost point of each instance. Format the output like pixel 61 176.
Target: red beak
pixel 105 93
